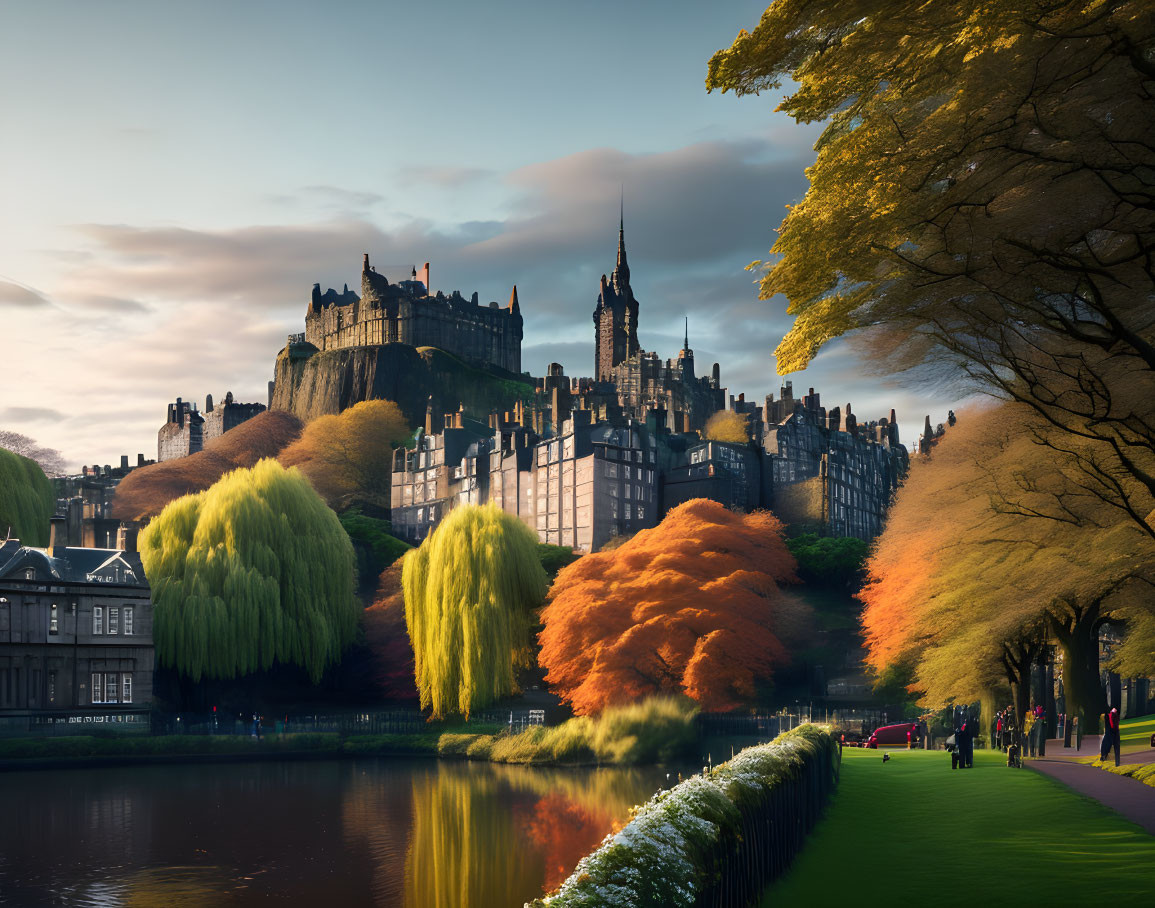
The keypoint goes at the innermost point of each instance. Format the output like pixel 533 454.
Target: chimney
pixel 124 461
pixel 57 531
pixel 424 278
pixel 179 413
pixel 365 264
pixel 140 460
pixel 428 406
pixel 208 403
pixel 126 537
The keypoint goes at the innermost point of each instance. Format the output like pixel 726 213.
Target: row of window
pixel 112 687
pixel 114 625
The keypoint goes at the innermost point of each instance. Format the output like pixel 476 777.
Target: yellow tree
pixel 471 590
pixel 981 199
pixel 726 425
pixel 348 457
pixel 967 581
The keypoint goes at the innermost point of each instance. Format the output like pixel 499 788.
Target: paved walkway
pixel 1132 799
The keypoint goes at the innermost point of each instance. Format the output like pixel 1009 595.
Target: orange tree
pixel 690 606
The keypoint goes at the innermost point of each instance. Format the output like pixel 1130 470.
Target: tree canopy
pixel 472 589
pixel 967 579
pixel 349 457
pixel 144 492
pixel 982 199
pixel 254 570
pixel 50 460
pixel 27 500
pixel 838 563
pixel 727 425
pixel 690 606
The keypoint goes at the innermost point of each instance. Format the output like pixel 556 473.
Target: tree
pixel 388 639
pixel 981 199
pixel 50 460
pixel 471 592
pixel 255 570
pixel 830 562
pixel 690 606
pixel 967 589
pixel 349 457
pixel 145 492
pixel 27 500
pixel 726 425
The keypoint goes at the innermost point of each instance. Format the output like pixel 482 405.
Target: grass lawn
pixel 1135 734
pixel 913 830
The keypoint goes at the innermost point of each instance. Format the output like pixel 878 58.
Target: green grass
pixel 913 829
pixel 1136 733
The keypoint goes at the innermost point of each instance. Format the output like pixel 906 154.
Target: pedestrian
pixel 1110 736
pixel 999 732
pixel 256 727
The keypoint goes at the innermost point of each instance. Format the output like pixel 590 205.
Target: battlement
pixel 406 312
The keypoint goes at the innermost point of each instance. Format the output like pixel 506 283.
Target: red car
pixel 894 735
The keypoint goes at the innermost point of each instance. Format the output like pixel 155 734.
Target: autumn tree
pixel 50 460
pixel 471 593
pixel 145 492
pixel 981 199
pixel 967 589
pixel 253 571
pixel 690 606
pixel 27 500
pixel 388 639
pixel 727 425
pixel 349 456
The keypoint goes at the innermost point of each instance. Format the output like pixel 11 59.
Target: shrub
pixel 26 499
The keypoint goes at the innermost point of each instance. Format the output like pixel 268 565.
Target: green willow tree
pixel 471 593
pixel 255 570
pixel 982 200
pixel 26 499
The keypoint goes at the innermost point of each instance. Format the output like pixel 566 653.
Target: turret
pixel 513 306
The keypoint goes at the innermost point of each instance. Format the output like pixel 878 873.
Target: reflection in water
pixel 390 833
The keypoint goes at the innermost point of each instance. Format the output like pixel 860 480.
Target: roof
pixel 72 565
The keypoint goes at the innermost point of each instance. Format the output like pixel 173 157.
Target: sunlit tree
pixel 471 593
pixel 27 500
pixel 255 570
pixel 349 456
pixel 726 425
pixel 691 606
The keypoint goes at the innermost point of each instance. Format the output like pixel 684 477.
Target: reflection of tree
pixel 376 809
pixel 466 849
pixel 565 832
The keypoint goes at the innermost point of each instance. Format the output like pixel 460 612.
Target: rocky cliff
pixel 311 383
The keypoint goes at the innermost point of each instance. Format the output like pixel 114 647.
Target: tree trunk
pixel 1078 634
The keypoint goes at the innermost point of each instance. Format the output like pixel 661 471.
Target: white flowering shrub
pixel 666 854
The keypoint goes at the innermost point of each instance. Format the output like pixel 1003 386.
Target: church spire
pixel 686 342
pixel 622 271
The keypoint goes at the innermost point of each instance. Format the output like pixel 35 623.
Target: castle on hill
pixel 405 312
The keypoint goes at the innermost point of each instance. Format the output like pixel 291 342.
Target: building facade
pixel 75 636
pixel 405 312
pixel 187 430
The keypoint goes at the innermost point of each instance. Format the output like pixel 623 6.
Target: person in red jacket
pixel 1110 736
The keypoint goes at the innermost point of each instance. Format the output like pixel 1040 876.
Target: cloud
pixel 100 303
pixel 29 414
pixel 20 295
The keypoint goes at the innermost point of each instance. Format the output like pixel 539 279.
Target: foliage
pixel 50 460
pixel 727 425
pixel 27 500
pixel 471 591
pixel 657 730
pixel 554 557
pixel 349 457
pixel 667 854
pixel 372 535
pixel 144 492
pixel 688 607
pixel 826 561
pixel 981 199
pixel 252 571
pixel 388 638
pixel 1140 772
pixel 966 581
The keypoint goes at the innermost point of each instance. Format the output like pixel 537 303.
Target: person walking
pixel 1111 737
pixel 998 740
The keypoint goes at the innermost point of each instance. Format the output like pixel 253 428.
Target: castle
pixel 405 312
pixel 187 430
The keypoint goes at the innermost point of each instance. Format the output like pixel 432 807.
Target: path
pixel 1132 799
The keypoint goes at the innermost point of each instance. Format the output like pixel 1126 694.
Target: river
pixel 384 832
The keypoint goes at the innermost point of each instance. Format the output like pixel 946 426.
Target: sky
pixel 175 178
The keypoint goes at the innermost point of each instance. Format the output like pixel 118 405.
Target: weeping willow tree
pixel 26 499
pixel 254 570
pixel 470 593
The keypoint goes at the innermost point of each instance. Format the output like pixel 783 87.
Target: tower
pixel 616 315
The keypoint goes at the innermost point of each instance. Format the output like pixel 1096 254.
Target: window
pixel 54 620
pixel 128 622
pixel 126 688
pixel 29 573
pixel 97 620
pixel 110 691
pixel 114 620
pixel 97 687
pixel 627 490
pixel 51 687
pixel 627 513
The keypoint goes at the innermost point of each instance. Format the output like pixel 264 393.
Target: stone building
pixel 405 312
pixel 84 507
pixel 186 430
pixel 75 637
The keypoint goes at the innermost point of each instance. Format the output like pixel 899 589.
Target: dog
pixel 885 757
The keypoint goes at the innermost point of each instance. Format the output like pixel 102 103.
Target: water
pixel 390 833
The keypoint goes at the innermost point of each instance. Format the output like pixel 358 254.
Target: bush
pixel 26 499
